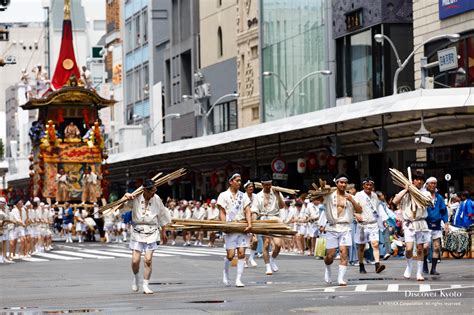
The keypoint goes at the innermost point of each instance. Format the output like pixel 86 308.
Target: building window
pixel 220 48
pixel 138 85
pixel 138 33
pixel 463 75
pixel 361 66
pixel 128 36
pixel 145 26
pixel 255 113
pixel 146 81
pixel 224 117
pixel 129 87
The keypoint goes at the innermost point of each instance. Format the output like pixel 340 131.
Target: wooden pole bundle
pixel 278 188
pixel 264 227
pixel 158 182
pixel 400 180
pixel 322 190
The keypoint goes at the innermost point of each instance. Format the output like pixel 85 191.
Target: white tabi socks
pixel 240 270
pixel 340 277
pixel 135 282
pixel 327 274
pixel 124 235
pixel 225 278
pixel 273 264
pixel 146 289
pixel 268 271
pixel 252 261
pixel 407 273
pixel 419 268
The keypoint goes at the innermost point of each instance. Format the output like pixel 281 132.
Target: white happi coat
pixel 234 207
pixel 147 219
pixel 335 223
pixel 269 209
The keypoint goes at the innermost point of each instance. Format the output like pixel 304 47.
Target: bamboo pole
pixel 158 182
pixel 278 188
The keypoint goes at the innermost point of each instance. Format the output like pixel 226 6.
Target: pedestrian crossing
pixel 383 288
pixel 113 251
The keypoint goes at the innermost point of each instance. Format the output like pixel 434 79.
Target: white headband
pixel 431 180
pixel 341 178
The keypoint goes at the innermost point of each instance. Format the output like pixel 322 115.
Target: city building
pixel 248 63
pixel 366 67
pixel 294 43
pixel 434 18
pixel 215 81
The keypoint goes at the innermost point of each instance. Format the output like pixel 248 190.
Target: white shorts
pixel 236 240
pixel 121 226
pixel 312 231
pixel 364 234
pixel 336 239
pixel 142 246
pixel 19 232
pixel 420 237
pixel 2 238
pixel 79 227
pixel 11 235
pixel 435 234
pixel 67 226
pixel 301 230
pixel 109 227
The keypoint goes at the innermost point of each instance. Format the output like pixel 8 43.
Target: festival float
pixel 68 157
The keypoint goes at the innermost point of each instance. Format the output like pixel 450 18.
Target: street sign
pixel 448 59
pixel 447 177
pixel 279 176
pixel 279 165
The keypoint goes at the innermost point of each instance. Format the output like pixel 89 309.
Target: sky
pixel 23 11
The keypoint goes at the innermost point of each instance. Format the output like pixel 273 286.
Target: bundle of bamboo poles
pixel 278 188
pixel 111 207
pixel 400 180
pixel 263 227
pixel 322 190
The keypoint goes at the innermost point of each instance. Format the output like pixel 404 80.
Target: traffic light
pixel 334 145
pixel 382 139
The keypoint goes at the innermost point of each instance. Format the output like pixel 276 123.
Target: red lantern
pixel 312 161
pixel 332 163
pixel 214 180
pixel 301 165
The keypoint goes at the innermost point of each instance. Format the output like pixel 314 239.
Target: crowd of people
pixel 358 227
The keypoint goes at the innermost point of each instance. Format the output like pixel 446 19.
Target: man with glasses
pixel 148 215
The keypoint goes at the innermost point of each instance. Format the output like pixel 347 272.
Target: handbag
pixel 320 248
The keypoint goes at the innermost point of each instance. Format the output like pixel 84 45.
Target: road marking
pixel 177 252
pixel 130 252
pixel 392 288
pixel 194 250
pixel 361 288
pixel 53 256
pixel 456 286
pixel 425 287
pixel 100 252
pixel 83 255
pixel 33 259
pixel 331 289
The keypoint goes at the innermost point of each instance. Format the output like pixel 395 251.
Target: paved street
pixel 187 280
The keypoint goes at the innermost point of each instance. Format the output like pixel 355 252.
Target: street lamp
pixel 379 38
pixel 206 115
pixel 151 130
pixel 290 92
